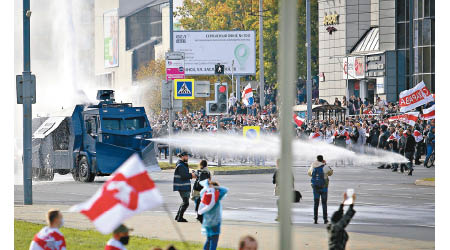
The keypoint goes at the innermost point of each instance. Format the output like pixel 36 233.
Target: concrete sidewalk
pixel 159 225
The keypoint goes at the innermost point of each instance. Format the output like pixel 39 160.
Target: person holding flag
pixel 50 238
pixel 247 95
pixel 211 209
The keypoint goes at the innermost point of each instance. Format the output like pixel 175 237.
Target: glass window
pixel 432 83
pixel 432 31
pixel 135 123
pixel 416 33
pixel 426 31
pixel 407 62
pixel 432 8
pixel 401 10
pixel 407 10
pixel 426 8
pixel 111 123
pixel 426 59
pixel 420 60
pixel 432 59
pixel 406 35
pixel 419 36
pixel 427 79
pixel 401 36
pixel 420 9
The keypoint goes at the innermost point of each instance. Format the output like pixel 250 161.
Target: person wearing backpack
pixel 319 173
pixel 202 174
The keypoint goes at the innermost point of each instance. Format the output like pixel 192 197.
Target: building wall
pixel 122 74
pixel 387 24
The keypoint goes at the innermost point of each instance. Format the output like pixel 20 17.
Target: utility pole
pixel 308 61
pixel 171 82
pixel 287 68
pixel 26 95
pixel 261 56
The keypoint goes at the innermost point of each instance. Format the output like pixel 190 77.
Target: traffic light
pixel 219 69
pixel 220 104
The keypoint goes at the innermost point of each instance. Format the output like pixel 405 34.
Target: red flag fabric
pixel 315 136
pixel 48 238
pixel 299 121
pixel 415 97
pixel 409 118
pixel 127 192
pixel 428 113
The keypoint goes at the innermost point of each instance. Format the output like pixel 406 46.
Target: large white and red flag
pixel 129 191
pixel 415 97
pixel 209 200
pixel 417 135
pixel 410 118
pixel 299 121
pixel 48 238
pixel 428 113
pixel 247 95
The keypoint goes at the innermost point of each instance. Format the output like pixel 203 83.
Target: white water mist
pixel 268 146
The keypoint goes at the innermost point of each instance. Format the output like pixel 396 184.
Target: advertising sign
pixel 354 66
pixel 204 49
pixel 174 65
pixel 184 88
pixel 111 38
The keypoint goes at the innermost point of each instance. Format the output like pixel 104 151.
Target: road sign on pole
pixel 183 89
pixel 174 65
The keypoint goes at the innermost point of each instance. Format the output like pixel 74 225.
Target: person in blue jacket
pixel 211 209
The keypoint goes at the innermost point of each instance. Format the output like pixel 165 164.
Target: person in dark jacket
pixel 382 142
pixel 202 174
pixel 430 141
pixel 182 183
pixel 401 150
pixel 337 236
pixel 409 150
pixel 374 134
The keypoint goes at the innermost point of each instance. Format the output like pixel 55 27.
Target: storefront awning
pixel 369 43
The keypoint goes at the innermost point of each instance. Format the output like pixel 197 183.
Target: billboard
pixel 355 66
pixel 204 49
pixel 111 38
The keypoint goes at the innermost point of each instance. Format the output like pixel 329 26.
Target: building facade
pixel 364 47
pixel 128 35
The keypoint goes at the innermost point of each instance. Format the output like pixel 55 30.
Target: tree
pixel 243 15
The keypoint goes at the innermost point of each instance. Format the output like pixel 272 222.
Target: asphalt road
pixel 388 204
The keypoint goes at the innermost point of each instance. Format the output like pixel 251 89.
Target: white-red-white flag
pixel 129 191
pixel 299 121
pixel 410 118
pixel 209 199
pixel 417 135
pixel 415 97
pixel 315 136
pixel 48 238
pixel 428 113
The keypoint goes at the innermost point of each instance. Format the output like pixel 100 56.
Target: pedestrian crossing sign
pixel 251 132
pixel 184 88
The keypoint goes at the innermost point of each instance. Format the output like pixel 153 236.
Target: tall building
pixel 364 47
pixel 128 35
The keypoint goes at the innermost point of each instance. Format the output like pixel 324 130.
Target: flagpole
pixel 175 226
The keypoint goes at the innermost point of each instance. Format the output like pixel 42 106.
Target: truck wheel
pixel 84 173
pixel 75 174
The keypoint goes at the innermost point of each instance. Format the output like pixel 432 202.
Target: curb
pixel 236 172
pixel 424 183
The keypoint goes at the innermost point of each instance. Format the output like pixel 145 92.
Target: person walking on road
pixel 50 237
pixel 202 174
pixel 277 187
pixel 319 173
pixel 120 238
pixel 182 183
pixel 337 236
pixel 211 209
pixel 409 150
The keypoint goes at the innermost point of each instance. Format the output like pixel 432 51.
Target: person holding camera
pixel 182 183
pixel 202 174
pixel 337 236
pixel 319 173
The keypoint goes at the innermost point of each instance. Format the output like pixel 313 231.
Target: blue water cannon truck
pixel 91 140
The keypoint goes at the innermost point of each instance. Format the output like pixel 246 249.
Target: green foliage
pixel 243 15
pixel 88 239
